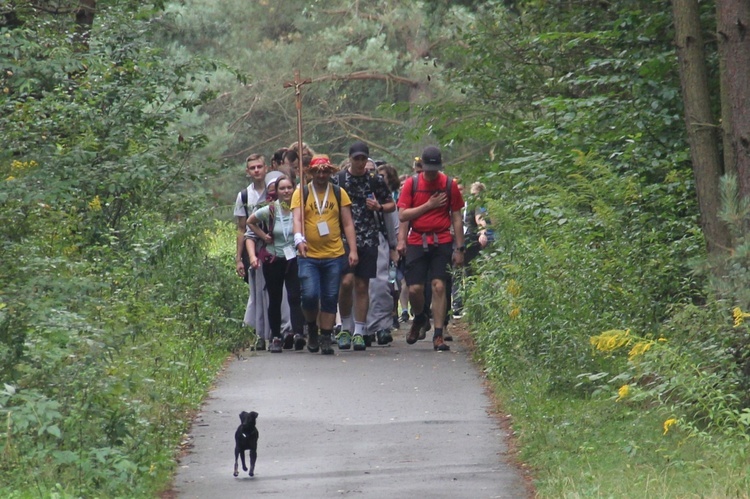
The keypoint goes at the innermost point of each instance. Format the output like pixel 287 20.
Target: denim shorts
pixel 319 282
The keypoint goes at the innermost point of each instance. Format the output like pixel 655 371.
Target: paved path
pixel 398 422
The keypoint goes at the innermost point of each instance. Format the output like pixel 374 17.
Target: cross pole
pixel 297 84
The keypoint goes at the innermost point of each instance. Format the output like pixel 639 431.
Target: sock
pixel 347 323
pixel 326 333
pixel 438 332
pixel 312 328
pixel 360 328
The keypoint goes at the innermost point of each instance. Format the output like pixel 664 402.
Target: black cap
pixel 359 149
pixel 432 159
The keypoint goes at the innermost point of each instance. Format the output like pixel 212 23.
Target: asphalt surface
pixel 401 421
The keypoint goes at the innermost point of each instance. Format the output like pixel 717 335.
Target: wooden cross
pixel 297 84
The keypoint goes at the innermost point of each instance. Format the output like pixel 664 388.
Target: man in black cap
pixel 370 198
pixel 431 208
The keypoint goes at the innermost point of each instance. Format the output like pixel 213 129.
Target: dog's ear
pixel 243 416
pixel 254 415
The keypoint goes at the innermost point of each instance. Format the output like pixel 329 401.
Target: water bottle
pixel 392 272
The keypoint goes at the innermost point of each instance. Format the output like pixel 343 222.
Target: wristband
pixel 298 238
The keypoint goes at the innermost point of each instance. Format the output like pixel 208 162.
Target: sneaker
pixel 260 344
pixel 384 337
pixel 439 345
pixel 404 316
pixel 288 341
pixel 299 342
pixel 325 344
pixel 359 343
pixel 276 346
pixel 416 327
pixel 344 340
pixel 312 344
pixel 396 324
pixel 337 329
pixel 368 339
pixel 423 330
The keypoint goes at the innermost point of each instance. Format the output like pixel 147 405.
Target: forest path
pixel 395 421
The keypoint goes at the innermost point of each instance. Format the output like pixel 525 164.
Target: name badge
pixel 323 229
pixel 289 252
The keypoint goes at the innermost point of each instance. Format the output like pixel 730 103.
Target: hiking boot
pixel 299 342
pixel 384 337
pixel 396 324
pixel 344 340
pixel 325 344
pixel 438 345
pixel 312 344
pixel 416 327
pixel 288 341
pixel 260 344
pixel 276 346
pixel 447 337
pixel 359 343
pixel 404 316
pixel 368 339
pixel 423 330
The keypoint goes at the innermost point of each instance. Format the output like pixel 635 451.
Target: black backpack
pixel 448 185
pixel 245 256
pixel 372 177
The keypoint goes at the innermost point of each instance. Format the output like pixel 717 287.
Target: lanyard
pixel 317 202
pixel 286 225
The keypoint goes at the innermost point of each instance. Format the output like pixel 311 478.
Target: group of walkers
pixel 338 245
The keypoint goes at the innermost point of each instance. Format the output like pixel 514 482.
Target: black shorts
pixel 424 266
pixel 367 268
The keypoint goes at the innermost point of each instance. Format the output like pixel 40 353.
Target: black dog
pixel 246 438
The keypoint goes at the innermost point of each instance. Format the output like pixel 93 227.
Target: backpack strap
pixel 448 189
pixel 336 194
pixel 244 195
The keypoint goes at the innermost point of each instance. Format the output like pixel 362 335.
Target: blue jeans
pixel 319 282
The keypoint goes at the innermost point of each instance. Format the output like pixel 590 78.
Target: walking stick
pixel 297 84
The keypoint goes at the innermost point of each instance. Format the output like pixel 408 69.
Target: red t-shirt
pixel 436 221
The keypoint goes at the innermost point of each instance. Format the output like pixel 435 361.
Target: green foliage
pixel 573 113
pixel 118 301
pixel 386 44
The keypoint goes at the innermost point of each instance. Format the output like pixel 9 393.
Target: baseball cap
pixel 432 160
pixel 359 149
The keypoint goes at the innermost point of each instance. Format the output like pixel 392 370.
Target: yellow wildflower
pixel 515 312
pixel 739 316
pixel 639 349
pixel 8 179
pixel 513 288
pixel 622 392
pixel 95 204
pixel 668 424
pixel 611 340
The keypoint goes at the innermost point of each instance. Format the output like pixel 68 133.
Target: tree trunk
pixel 701 126
pixel 733 28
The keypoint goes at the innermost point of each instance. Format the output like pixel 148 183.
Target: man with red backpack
pixel 431 208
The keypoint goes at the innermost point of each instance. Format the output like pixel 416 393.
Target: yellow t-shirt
pixel 332 244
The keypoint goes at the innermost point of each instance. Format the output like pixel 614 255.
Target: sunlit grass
pixel 585 447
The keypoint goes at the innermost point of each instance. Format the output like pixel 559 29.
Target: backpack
pixel 245 256
pixel 372 177
pixel 448 185
pixel 264 255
